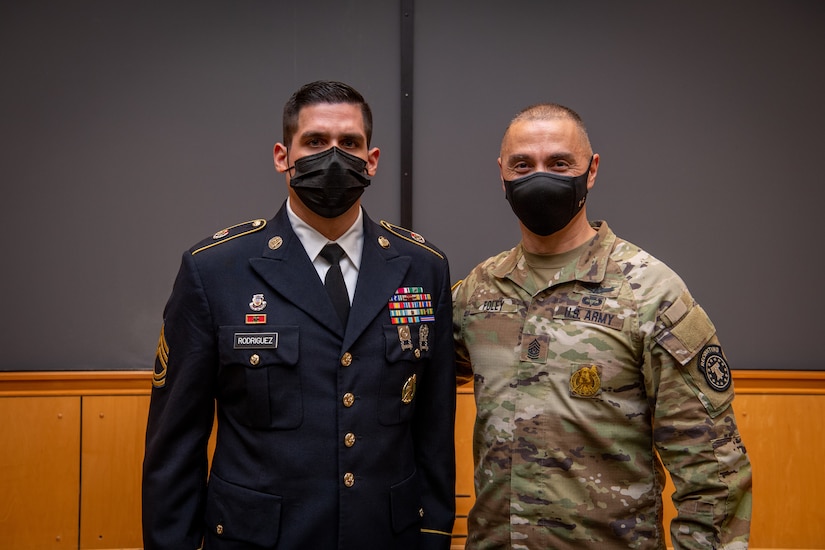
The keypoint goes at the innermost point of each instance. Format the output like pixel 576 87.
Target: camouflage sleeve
pixel 695 432
pixel 463 367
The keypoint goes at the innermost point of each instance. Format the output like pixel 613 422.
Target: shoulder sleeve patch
pixel 229 233
pixel 709 376
pixel 410 236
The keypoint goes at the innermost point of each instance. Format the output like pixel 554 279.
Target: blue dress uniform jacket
pixel 329 437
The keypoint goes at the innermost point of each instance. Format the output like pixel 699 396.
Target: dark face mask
pixel 329 182
pixel 546 202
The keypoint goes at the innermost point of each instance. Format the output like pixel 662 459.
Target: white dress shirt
pixel 351 241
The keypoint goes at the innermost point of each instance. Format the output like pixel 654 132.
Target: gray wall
pixel 131 130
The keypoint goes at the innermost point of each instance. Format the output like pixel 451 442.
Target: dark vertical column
pixel 407 12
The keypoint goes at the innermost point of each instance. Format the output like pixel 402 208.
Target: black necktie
pixel 334 280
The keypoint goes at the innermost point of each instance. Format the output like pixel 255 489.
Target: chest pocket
pixel 407 348
pixel 261 364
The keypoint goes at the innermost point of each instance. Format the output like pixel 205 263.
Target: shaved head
pixel 551 111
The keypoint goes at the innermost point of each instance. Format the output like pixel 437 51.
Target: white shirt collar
pixel 351 241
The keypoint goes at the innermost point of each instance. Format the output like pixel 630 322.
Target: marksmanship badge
pixel 424 337
pixel 405 337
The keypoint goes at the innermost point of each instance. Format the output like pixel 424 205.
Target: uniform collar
pixel 351 241
pixel 589 267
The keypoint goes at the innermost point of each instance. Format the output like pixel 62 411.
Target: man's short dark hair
pixel 323 91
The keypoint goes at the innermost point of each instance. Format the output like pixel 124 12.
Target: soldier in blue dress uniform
pixel 334 428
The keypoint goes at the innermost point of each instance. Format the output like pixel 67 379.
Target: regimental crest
pixel 258 303
pixel 586 381
pixel 714 368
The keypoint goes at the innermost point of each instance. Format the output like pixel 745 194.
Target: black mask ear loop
pixel 289 168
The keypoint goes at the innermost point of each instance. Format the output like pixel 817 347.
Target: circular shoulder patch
pixel 714 368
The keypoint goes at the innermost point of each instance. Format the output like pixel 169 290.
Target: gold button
pixel 346 359
pixel 275 243
pixel 254 360
pixel 383 242
pixel 219 529
pixel 417 353
pixel 349 439
pixel 349 479
pixel 349 399
pixel 421 512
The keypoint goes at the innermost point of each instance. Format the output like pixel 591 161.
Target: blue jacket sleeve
pixel 181 415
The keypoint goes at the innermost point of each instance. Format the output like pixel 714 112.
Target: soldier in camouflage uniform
pixel 593 366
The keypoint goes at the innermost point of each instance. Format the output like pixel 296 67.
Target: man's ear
pixel 280 156
pixel 594 169
pixel 372 161
pixel 501 176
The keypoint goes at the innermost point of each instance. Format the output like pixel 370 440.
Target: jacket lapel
pixel 285 266
pixel 382 272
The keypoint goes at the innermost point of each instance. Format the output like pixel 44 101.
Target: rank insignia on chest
pixel 586 381
pixel 411 305
pixel 534 348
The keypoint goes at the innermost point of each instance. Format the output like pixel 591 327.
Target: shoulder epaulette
pixel 233 232
pixel 410 236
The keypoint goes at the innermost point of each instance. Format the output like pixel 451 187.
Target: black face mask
pixel 329 182
pixel 546 202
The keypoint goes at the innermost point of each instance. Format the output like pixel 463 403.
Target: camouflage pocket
pixel 698 376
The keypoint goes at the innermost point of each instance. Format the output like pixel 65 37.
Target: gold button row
pixel 349 438
pixel 346 359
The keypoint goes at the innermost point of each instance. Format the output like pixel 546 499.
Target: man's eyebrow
pixel 354 137
pixel 313 134
pixel 319 134
pixel 517 157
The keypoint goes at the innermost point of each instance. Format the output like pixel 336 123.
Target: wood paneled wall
pixel 71 447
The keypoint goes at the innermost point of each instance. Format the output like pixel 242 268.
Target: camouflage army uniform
pixel 578 385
